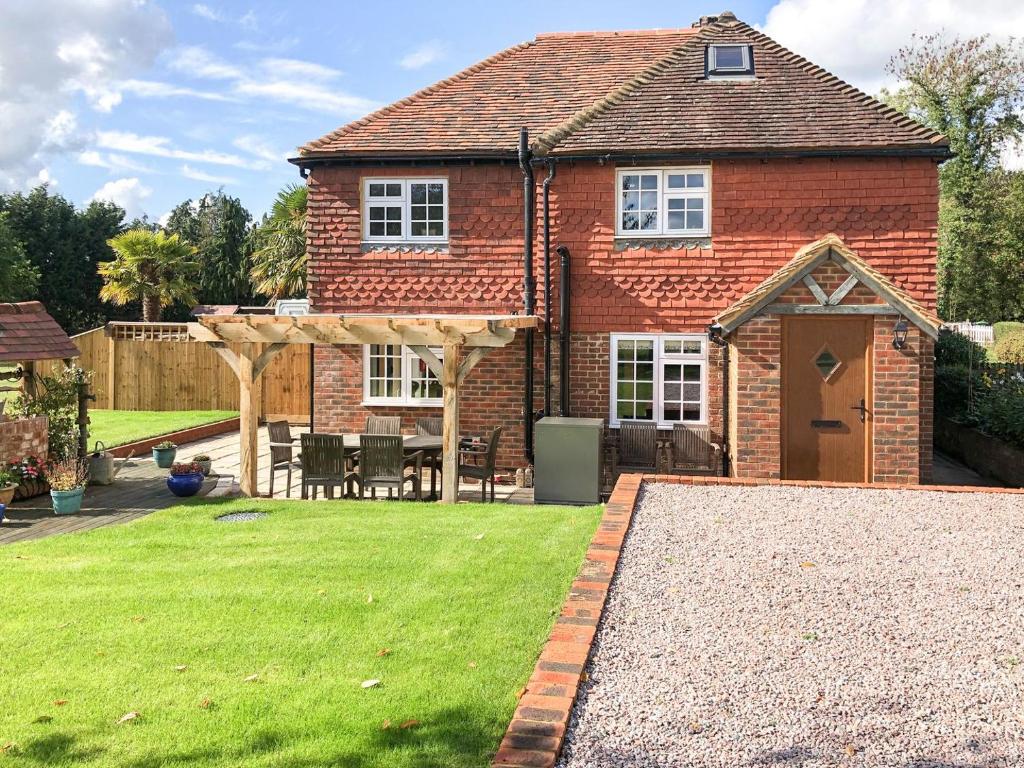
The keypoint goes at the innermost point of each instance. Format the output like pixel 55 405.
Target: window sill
pixel 405 246
pixel 376 404
pixel 665 426
pixel 662 242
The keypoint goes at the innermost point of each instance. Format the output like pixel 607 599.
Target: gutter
pixel 529 300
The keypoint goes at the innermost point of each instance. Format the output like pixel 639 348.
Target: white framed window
pixel 730 60
pixel 414 210
pixel 395 375
pixel 658 377
pixel 663 201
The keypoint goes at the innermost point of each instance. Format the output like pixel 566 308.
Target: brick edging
pixel 534 737
pixel 751 481
pixel 189 435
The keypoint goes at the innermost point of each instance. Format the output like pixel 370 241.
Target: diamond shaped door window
pixel 826 363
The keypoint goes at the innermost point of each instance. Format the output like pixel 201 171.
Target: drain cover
pixel 241 517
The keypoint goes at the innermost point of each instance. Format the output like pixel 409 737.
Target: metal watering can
pixel 102 468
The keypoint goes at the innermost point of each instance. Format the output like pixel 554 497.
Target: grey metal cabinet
pixel 567 460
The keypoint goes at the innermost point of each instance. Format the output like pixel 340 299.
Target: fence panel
pixel 157 367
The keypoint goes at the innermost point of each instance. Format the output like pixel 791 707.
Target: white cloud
pixel 195 61
pixel 428 53
pixel 289 68
pixel 161 146
pixel 276 45
pixel 129 193
pixel 113 162
pixel 156 89
pixel 258 147
pixel 206 12
pixel 199 175
pixel 855 39
pixel 50 50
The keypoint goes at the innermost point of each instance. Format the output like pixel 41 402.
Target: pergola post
pixel 248 423
pixel 450 423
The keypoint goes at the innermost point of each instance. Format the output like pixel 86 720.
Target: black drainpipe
pixel 715 337
pixel 529 216
pixel 563 333
pixel 547 287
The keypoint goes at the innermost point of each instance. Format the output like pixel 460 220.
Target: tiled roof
pixel 27 332
pixel 631 92
pixel 807 259
pixel 538 85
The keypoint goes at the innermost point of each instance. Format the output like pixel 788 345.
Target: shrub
pixel 186 469
pixel 956 349
pixel 1009 349
pixel 953 390
pixel 998 404
pixel 1006 328
pixel 67 474
pixel 164 445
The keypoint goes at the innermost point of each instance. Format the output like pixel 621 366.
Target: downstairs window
pixel 658 377
pixel 395 375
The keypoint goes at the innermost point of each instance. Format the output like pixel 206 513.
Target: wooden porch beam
pixel 845 309
pixel 267 356
pixel 450 425
pixel 815 289
pixel 248 421
pixel 840 293
pixel 475 356
pixel 428 357
pixel 227 354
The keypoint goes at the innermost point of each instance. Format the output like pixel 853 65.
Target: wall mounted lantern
pixel 899 333
pixel 715 335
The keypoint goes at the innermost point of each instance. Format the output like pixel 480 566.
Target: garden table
pixel 429 444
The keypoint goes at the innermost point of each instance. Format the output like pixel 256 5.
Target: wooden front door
pixel 826 398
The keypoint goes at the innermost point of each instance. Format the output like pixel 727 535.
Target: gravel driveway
pixel 810 627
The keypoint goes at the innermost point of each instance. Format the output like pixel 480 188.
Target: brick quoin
pixel 886 209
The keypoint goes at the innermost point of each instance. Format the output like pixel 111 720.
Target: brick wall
pixel 896 405
pixel 762 212
pixel 24 437
pixel 757 388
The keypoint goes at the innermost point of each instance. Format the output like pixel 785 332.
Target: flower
pixel 191 468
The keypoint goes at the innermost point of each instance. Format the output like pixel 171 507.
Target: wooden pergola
pixel 262 337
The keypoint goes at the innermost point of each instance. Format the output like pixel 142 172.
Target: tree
pixel 65 246
pixel 154 268
pixel 217 226
pixel 279 246
pixel 972 91
pixel 19 279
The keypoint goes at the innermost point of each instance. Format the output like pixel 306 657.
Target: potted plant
pixel 30 475
pixel 185 479
pixel 204 462
pixel 163 454
pixel 67 479
pixel 8 485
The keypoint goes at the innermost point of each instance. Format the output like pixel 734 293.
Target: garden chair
pixel 383 425
pixel 282 447
pixel 691 450
pixel 431 426
pixel 382 464
pixel 485 470
pixel 636 449
pixel 323 465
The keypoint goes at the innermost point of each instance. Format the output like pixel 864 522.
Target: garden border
pixel 535 735
pixel 201 432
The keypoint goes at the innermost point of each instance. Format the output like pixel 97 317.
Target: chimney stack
pixel 725 17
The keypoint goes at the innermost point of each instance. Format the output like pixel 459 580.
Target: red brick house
pixel 751 244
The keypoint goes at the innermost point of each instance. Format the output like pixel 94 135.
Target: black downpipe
pixel 563 332
pixel 529 300
pixel 715 337
pixel 547 286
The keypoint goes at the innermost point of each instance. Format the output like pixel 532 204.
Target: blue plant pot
pixel 164 457
pixel 185 485
pixel 3 509
pixel 67 502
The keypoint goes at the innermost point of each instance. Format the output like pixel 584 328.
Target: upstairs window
pixel 730 61
pixel 663 201
pixel 414 210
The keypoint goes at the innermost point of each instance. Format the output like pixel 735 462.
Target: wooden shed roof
pixel 27 332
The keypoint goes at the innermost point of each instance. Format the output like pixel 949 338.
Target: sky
pixel 150 103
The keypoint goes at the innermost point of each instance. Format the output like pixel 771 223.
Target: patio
pixel 139 489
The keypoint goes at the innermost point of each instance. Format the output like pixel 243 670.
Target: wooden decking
pixel 140 489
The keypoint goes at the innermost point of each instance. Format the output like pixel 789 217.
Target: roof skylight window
pixel 730 61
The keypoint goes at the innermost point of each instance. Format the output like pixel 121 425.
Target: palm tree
pixel 151 267
pixel 279 255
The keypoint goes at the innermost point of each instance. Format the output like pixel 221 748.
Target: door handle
pixel 863 410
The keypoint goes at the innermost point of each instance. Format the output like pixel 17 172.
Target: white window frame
pixel 409 360
pixel 744 70
pixel 664 195
pixel 405 202
pixel 660 359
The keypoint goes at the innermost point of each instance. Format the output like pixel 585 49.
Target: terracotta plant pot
pixel 7 493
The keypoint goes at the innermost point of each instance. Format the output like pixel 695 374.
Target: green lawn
pixel 120 427
pixel 94 626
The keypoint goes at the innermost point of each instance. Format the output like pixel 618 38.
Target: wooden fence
pixel 977 332
pixel 157 367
